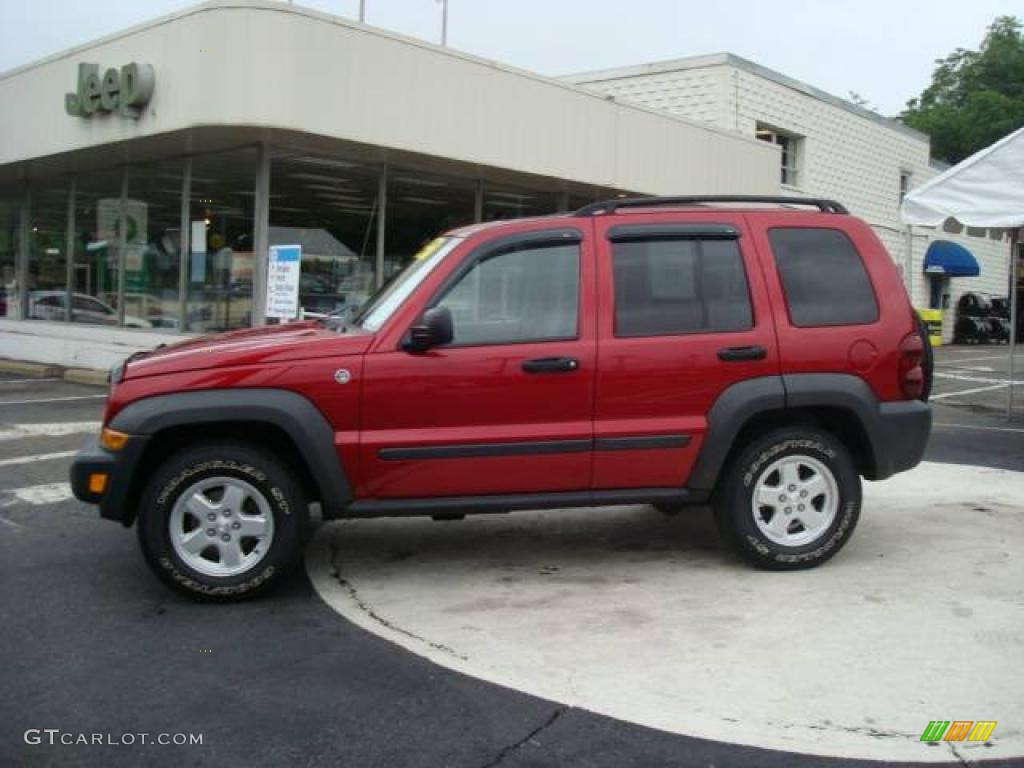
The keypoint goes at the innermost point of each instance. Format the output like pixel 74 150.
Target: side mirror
pixel 433 330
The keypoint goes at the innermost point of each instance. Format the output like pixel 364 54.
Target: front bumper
pixel 115 501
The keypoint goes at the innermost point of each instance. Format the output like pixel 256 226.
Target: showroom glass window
pixel 47 250
pixel 96 245
pixel 509 202
pixel 10 204
pixel 329 207
pixel 422 206
pixel 152 258
pixel 220 267
pixel 10 218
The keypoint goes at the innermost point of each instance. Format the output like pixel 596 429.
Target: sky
pixel 884 50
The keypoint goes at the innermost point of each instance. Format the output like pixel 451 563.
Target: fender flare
pixel 307 427
pixel 733 408
pixel 896 432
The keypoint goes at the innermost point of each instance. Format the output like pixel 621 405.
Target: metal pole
pixel 382 225
pixel 69 247
pixel 122 248
pixel 261 235
pixel 184 244
pixel 362 11
pixel 1015 238
pixel 909 276
pixel 22 257
pixel 444 23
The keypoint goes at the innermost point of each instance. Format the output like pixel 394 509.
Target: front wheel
pixel 222 521
pixel 790 500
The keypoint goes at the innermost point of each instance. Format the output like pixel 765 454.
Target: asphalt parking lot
pixel 91 643
pixel 977 377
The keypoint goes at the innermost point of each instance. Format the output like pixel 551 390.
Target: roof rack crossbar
pixel 610 206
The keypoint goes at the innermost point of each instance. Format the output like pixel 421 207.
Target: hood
pixel 267 345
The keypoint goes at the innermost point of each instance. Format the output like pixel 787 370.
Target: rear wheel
pixel 222 521
pixel 790 500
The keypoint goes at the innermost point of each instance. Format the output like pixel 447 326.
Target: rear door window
pixel 665 287
pixel 823 277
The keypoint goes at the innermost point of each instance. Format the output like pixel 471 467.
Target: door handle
pixel 551 365
pixel 737 354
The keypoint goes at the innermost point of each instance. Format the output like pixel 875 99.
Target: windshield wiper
pixel 339 320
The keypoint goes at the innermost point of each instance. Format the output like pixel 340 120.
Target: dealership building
pixel 146 176
pixel 832 148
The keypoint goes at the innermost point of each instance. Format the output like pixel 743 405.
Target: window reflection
pixel 505 202
pixel 47 256
pixel 329 207
pixel 10 215
pixel 421 207
pixel 96 251
pixel 153 244
pixel 220 264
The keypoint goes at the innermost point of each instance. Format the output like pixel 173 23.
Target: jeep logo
pixel 126 90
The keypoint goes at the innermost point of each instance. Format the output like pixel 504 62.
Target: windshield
pixel 392 295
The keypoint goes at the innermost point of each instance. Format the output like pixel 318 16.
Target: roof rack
pixel 610 206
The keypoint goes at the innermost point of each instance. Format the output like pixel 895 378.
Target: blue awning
pixel 950 259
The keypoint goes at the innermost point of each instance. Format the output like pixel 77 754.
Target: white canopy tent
pixel 985 190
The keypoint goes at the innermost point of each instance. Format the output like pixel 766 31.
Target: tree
pixel 855 98
pixel 975 97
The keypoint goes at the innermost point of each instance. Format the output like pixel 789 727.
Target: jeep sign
pixel 126 90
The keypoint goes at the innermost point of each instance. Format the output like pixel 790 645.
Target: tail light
pixel 911 370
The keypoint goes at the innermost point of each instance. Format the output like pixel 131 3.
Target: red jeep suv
pixel 757 354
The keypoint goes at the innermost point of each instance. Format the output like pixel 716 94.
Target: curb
pixel 31 370
pixel 89 376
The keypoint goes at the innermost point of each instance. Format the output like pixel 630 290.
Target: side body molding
pixel 312 435
pixel 733 408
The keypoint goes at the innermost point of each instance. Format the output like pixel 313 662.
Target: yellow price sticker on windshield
pixel 429 249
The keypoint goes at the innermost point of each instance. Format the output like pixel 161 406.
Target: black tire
pixel 928 362
pixel 273 480
pixel 733 501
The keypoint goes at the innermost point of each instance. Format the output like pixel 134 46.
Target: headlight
pixel 116 374
pixel 113 440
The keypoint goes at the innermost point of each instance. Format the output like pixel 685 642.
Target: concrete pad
pixel 650 620
pixel 29 370
pixel 88 376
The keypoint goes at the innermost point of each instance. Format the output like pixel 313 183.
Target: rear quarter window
pixel 823 277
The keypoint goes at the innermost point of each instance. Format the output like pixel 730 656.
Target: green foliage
pixel 975 97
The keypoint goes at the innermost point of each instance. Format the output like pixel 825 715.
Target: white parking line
pixel 977 426
pixel 25 381
pixel 952 360
pixel 55 429
pixel 974 379
pixel 37 457
pixel 36 495
pixel 989 388
pixel 52 400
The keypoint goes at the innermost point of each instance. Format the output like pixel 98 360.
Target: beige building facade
pixel 144 177
pixel 828 147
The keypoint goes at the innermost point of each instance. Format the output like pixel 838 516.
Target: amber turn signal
pixel 113 441
pixel 98 482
